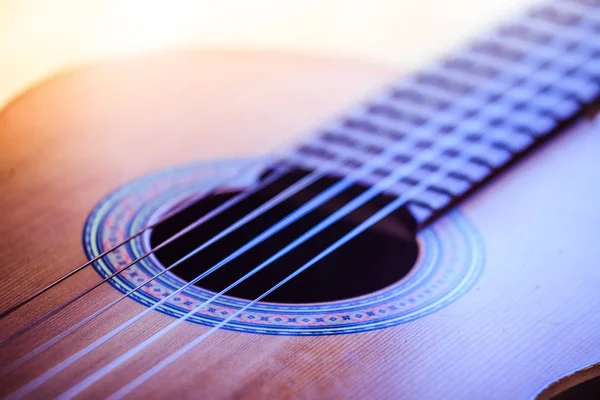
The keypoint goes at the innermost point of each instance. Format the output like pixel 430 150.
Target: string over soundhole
pixel 379 257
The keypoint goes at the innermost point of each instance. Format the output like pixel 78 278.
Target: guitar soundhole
pixel 379 257
pixel 587 390
pixel 580 385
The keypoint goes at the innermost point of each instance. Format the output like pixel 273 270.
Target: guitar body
pixel 524 315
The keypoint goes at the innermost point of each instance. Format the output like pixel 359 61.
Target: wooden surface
pixel 530 319
pixel 40 37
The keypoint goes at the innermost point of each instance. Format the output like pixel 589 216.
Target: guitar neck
pixel 485 105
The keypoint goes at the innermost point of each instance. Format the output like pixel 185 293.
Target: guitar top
pixel 438 240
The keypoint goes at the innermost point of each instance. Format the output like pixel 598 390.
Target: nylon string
pixel 353 233
pixel 130 353
pixel 226 205
pixel 106 252
pixel 102 372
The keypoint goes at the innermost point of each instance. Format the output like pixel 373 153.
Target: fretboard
pixel 485 105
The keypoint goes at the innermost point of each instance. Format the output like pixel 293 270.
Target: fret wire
pixel 397 113
pixel 163 363
pixel 520 70
pixel 426 135
pixel 366 139
pixel 545 56
pixel 343 155
pixel 410 146
pixel 576 32
pixel 562 37
pixel 451 96
pixel 451 138
pixel 411 107
pixel 441 93
pixel 490 83
pixel 424 102
pixel 346 152
pixel 465 77
pixel 488 112
pixel 396 189
pixel 466 102
pixel 399 172
pixel 542 53
pixel 428 90
pixel 390 123
pixel 481 103
pixel 495 85
pixel 486 109
pixel 483 71
pixel 383 130
pixel 379 215
pixel 95 376
pixel 578 9
pixel 322 167
pixel 370 117
pixel 385 108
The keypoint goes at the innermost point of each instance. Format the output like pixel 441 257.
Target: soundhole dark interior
pixel 378 257
pixel 587 390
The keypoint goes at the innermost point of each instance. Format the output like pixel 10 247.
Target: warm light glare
pixel 39 36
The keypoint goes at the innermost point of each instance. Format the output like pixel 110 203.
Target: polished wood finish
pixel 38 37
pixel 530 319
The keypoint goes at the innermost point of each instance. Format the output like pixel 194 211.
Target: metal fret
pixel 494 85
pixel 433 92
pixel 500 96
pixel 389 123
pixel 408 106
pixel 509 68
pixel 577 33
pixel 419 98
pixel 591 13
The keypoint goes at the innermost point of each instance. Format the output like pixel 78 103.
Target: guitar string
pixel 161 365
pixel 76 270
pixel 304 182
pixel 79 268
pixel 403 170
pixel 213 213
pixel 383 212
pixel 350 180
pixel 99 374
pixel 52 312
pixel 169 361
pixel 132 385
pixel 378 216
pixel 89 262
pixel 290 191
pixel 36 294
pixel 98 342
pixel 450 140
pixel 155 369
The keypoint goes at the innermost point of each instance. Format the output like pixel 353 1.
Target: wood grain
pixel 40 37
pixel 530 319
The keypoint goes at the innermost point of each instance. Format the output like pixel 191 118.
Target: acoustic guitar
pixel 436 240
